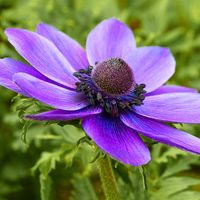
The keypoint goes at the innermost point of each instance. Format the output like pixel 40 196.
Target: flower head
pixel 111 86
pixel 115 88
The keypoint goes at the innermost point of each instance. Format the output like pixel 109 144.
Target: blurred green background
pixel 64 171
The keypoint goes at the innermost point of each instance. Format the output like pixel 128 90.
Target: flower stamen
pixel 111 104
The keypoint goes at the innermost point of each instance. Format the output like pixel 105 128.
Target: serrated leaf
pixel 176 166
pixel 46 163
pixel 25 128
pixel 170 153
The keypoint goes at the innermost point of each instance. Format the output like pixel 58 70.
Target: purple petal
pixel 63 115
pixel 175 107
pixel 8 67
pixel 171 89
pixel 71 49
pixel 111 38
pixel 162 133
pixel 116 139
pixel 42 55
pixel 152 66
pixel 50 94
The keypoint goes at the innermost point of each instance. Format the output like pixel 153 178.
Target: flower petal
pixel 50 94
pixel 116 139
pixel 162 133
pixel 71 49
pixel 152 66
pixel 174 107
pixel 111 38
pixel 171 89
pixel 63 115
pixel 9 66
pixel 42 55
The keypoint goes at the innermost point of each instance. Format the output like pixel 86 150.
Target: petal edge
pixel 162 133
pixel 63 115
pixel 152 66
pixel 43 55
pixel 110 38
pixel 174 107
pixel 116 139
pixel 50 94
pixel 72 50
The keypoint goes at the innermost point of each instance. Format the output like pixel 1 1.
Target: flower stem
pixel 107 178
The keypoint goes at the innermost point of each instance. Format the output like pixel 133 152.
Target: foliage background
pixel 172 174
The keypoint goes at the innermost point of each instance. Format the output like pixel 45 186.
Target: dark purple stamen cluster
pixel 112 104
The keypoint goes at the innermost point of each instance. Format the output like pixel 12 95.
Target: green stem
pixel 107 178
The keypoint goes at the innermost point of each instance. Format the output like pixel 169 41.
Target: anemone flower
pixel 115 88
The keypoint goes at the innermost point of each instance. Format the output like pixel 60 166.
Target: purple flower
pixel 114 87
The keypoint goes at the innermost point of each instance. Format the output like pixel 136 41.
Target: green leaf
pixel 187 195
pixel 170 153
pixel 25 128
pixel 173 186
pixel 47 162
pixel 176 166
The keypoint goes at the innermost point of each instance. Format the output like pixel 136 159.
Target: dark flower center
pixel 113 76
pixel 110 85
